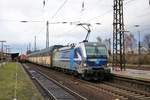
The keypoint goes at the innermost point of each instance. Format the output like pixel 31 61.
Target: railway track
pixel 109 88
pixel 130 93
pixel 118 91
pixel 54 89
pixel 143 85
pixel 123 93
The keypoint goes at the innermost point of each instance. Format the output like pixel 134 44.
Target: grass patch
pixel 25 89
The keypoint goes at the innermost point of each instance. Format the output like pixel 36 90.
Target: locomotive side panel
pixel 60 60
pixel 46 60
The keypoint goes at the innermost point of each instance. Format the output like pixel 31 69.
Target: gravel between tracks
pixel 55 90
pixel 77 85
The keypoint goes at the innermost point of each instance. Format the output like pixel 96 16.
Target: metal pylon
pixel 118 35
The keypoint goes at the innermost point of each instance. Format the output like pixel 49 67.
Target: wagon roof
pixel 45 51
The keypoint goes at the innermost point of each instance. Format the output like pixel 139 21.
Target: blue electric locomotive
pixel 87 59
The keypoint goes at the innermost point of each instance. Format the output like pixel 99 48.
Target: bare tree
pixel 107 42
pixel 130 42
pixel 147 42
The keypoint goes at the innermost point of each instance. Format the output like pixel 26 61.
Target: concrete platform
pixel 133 74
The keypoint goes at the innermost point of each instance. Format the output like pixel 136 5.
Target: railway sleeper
pixel 129 89
pixel 143 98
pixel 113 94
pixel 122 93
pixel 132 93
pixel 136 84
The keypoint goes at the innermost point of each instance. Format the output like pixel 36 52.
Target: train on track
pixel 22 58
pixel 86 59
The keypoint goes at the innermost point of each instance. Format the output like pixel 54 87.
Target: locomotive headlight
pixel 107 65
pixel 84 64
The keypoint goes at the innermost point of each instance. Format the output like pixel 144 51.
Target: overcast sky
pixel 18 34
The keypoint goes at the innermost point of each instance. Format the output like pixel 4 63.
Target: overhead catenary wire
pixel 70 30
pixel 83 7
pixel 61 6
pixel 73 22
pixel 57 11
pixel 42 29
pixel 108 11
pixel 140 17
pixel 144 15
pixel 129 1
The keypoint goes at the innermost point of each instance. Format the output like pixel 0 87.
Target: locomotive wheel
pixel 75 74
pixel 85 77
pixel 100 78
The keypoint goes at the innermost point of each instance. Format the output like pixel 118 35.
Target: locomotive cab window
pixel 95 50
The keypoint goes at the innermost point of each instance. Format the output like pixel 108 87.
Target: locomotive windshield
pixel 95 50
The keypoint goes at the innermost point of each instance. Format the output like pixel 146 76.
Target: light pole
pixel 139 46
pixel 47 29
pixel 47 32
pixel 34 43
pixel 6 53
pixel 84 25
pixel 2 52
pixel 9 53
pixel 122 53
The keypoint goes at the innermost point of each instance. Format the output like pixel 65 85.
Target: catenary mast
pixel 118 35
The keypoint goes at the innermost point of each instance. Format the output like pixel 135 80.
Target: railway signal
pixel 139 46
